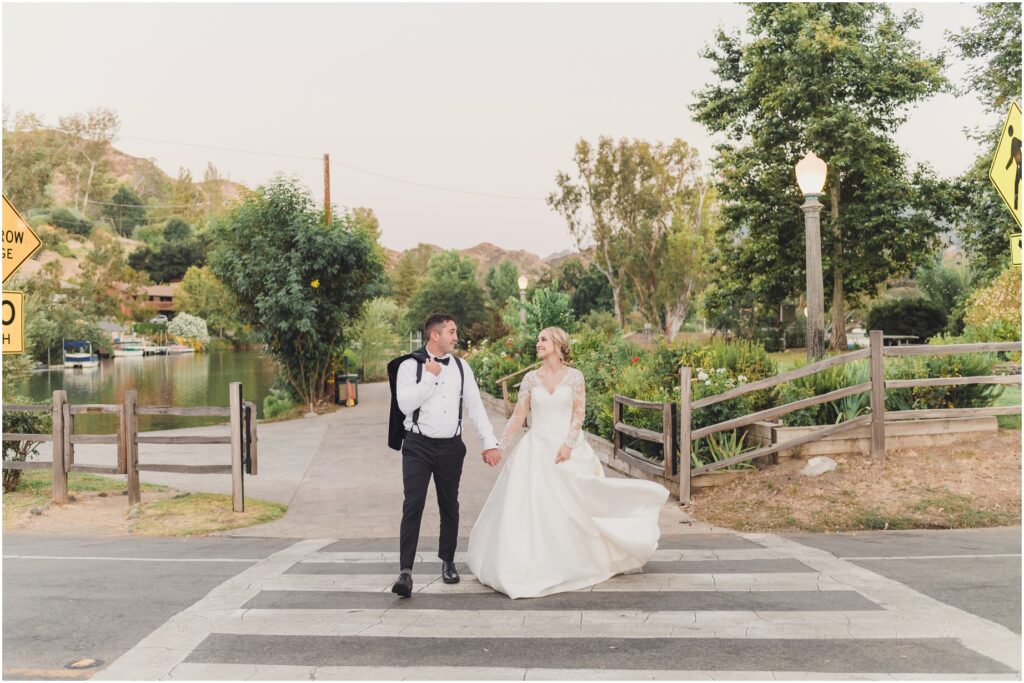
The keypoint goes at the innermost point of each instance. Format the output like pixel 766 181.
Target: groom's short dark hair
pixel 433 322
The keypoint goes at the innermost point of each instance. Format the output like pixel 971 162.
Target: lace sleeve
pixel 579 407
pixel 515 423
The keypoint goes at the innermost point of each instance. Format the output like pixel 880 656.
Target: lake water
pixel 199 379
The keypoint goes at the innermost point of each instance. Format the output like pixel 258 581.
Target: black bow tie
pixel 443 361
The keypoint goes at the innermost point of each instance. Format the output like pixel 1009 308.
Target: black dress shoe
pixel 403 586
pixel 448 572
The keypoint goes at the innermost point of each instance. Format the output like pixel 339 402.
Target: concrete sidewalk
pixel 336 474
pixel 352 487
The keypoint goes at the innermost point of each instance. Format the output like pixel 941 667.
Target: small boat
pixel 78 354
pixel 180 348
pixel 130 347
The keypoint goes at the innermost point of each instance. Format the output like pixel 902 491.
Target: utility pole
pixel 327 189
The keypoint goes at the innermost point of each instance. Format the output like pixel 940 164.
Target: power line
pixel 349 167
pixel 340 165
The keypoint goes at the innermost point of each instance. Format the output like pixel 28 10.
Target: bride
pixel 553 522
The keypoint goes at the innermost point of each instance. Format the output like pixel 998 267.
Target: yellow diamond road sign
pixel 1005 169
pixel 19 242
pixel 14 322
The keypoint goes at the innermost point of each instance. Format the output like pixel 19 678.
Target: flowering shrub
pixel 998 305
pixel 189 328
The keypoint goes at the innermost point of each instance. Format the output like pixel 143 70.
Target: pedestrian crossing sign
pixel 1005 169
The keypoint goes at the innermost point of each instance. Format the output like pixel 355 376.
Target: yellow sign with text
pixel 14 322
pixel 19 242
pixel 1005 169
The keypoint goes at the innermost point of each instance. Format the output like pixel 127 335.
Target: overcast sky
pixel 482 98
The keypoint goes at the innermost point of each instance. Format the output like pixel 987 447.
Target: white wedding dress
pixel 548 528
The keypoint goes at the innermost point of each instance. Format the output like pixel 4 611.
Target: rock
pixel 134 512
pixel 36 511
pixel 817 466
pixel 102 494
pixel 124 493
pixel 72 498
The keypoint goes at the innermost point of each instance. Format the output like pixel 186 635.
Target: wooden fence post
pixel 685 411
pixel 616 434
pixel 667 434
pixel 237 481
pixel 131 446
pixel 253 438
pixel 69 429
pixel 877 397
pixel 122 445
pixel 59 487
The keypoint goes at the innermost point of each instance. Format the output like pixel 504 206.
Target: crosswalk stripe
pixel 698 555
pixel 634 624
pixel 283 672
pixel 793 581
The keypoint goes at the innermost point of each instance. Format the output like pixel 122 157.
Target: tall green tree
pixel 30 153
pixel 626 201
pixel 410 271
pixel 298 282
pixel 451 287
pixel 836 79
pixel 203 295
pixel 89 137
pixel 502 282
pixel 993 48
pixel 125 210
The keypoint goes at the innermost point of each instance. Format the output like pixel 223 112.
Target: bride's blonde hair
pixel 561 341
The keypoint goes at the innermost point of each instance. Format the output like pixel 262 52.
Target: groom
pixel 429 389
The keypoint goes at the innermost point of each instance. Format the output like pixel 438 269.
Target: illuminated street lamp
pixel 810 176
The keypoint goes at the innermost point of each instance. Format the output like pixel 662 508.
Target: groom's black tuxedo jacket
pixel 396 425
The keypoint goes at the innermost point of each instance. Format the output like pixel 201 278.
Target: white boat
pixel 78 354
pixel 130 347
pixel 180 348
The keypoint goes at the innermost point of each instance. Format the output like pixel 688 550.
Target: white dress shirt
pixel 437 397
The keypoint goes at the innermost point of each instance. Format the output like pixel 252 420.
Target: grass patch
pixel 34 490
pixel 199 514
pixel 1011 397
pixel 959 512
pixel 789 359
pixel 878 520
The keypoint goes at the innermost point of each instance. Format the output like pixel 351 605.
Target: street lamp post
pixel 810 176
pixel 522 300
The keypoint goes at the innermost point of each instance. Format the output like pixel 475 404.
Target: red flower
pixel 636 359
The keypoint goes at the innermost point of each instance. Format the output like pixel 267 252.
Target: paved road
pixel 308 596
pixel 707 606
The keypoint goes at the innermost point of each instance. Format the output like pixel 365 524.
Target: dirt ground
pixel 976 484
pixel 90 514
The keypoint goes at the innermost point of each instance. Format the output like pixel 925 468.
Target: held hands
pixel 492 456
pixel 564 453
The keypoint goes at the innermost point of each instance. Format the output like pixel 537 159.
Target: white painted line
pixel 930 557
pixel 131 559
pixel 454 623
pixel 745 554
pixel 166 647
pixel 430 583
pixel 283 672
pixel 981 635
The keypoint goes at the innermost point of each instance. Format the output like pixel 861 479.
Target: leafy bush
pixel 954 365
pixel 917 316
pixel 277 402
pixel 997 306
pixel 22 423
pixel 189 327
pixel 823 382
pixel 947 287
pixel 70 220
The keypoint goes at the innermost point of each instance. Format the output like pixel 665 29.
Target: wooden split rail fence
pixel 682 470
pixel 242 439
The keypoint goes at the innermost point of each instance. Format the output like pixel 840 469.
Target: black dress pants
pixel 421 458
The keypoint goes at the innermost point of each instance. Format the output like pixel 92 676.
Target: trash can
pixel 346 389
